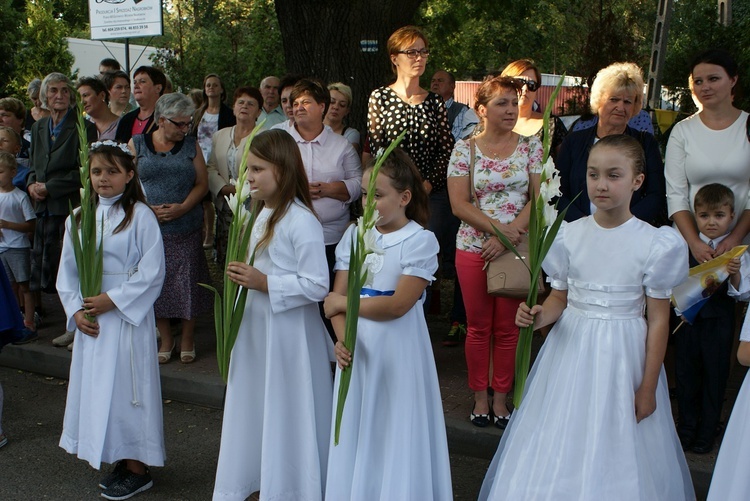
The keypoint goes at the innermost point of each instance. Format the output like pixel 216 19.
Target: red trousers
pixel 490 323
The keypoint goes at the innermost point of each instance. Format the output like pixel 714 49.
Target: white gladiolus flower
pixel 371 242
pixel 548 169
pixel 232 202
pixel 550 215
pixel 245 191
pixel 550 189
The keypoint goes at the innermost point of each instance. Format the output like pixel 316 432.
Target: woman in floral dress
pixel 505 164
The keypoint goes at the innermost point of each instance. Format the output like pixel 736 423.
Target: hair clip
pixel 112 144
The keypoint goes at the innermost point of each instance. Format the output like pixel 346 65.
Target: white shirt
pixel 697 156
pixel 15 207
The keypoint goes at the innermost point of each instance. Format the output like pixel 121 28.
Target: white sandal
pixel 165 356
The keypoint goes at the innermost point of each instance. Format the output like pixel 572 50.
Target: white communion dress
pixel 731 478
pixel 393 443
pixel 277 414
pixel 575 435
pixel 114 409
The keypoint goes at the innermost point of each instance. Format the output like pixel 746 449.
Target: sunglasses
pixel 532 85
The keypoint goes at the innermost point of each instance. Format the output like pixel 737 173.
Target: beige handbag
pixel 507 276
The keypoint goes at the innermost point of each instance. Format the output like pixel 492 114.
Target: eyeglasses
pixel 532 85
pixel 181 125
pixel 412 53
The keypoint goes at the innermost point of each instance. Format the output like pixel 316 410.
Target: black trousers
pixel 702 353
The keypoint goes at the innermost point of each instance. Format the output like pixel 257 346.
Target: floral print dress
pixel 502 185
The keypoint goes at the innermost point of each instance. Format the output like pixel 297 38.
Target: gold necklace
pixel 493 152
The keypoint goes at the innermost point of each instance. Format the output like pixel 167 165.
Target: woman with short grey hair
pixel 53 182
pixel 173 105
pixel 616 97
pixel 175 180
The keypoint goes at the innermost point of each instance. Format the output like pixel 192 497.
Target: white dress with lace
pixel 575 435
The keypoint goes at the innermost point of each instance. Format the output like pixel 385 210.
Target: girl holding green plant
pixel 392 437
pixel 277 413
pixel 113 412
pixel 596 422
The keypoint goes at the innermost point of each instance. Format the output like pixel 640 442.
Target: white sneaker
pixel 64 340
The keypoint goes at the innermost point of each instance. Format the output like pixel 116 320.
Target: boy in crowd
pixel 17 220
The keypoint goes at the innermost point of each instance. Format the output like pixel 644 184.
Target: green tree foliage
pixel 240 41
pixel 41 48
pixel 323 38
pixel 10 27
pixel 575 37
pixel 695 28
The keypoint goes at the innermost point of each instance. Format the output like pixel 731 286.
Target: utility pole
pixel 658 52
pixel 725 12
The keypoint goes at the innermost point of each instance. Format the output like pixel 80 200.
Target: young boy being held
pixel 17 219
pixel 702 350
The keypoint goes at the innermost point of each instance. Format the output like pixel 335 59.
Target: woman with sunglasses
pixel 530 121
pixel 616 96
pixel 175 180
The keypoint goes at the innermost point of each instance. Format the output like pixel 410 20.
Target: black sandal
pixel 502 421
pixel 480 420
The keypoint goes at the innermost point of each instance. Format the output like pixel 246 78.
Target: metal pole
pixel 127 56
pixel 658 52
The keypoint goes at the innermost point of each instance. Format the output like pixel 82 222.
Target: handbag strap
pixel 472 161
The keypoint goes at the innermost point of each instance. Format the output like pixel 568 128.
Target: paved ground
pixel 199 384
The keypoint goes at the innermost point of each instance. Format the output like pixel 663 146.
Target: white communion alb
pixel 114 409
pixel 277 414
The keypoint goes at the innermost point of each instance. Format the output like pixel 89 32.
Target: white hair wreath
pixel 113 144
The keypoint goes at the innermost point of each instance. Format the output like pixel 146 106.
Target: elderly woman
pixel 530 121
pixel 708 147
pixel 37 111
pixel 118 85
pixel 502 165
pixel 225 159
pixel 616 95
pixel 171 168
pixel 95 99
pixel 54 183
pixel 341 102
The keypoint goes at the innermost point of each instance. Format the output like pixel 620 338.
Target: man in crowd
pixel 461 117
pixel 272 112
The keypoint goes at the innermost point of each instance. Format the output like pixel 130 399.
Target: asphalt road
pixel 34 467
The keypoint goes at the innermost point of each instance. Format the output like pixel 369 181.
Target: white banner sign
pixel 124 18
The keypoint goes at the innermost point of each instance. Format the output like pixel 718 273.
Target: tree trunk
pixel 322 39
